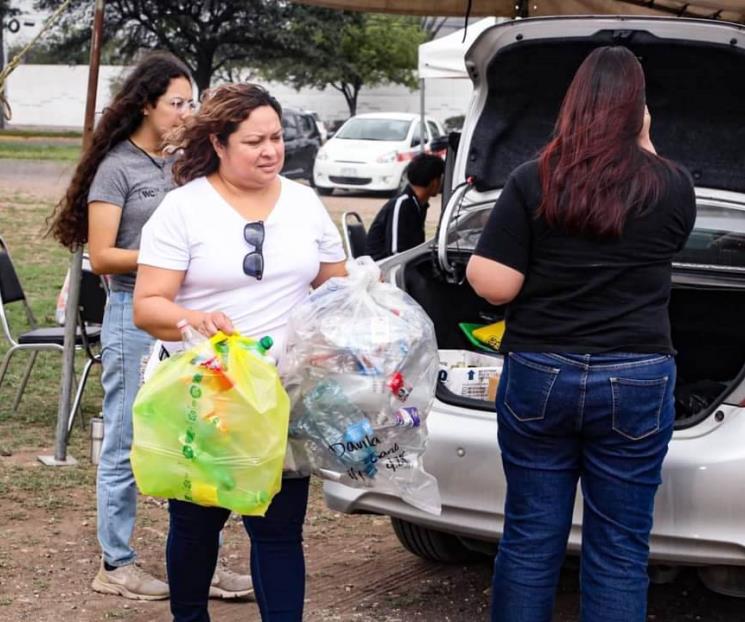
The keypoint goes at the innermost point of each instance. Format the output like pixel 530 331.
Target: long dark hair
pixel 144 85
pixel 222 110
pixel 593 172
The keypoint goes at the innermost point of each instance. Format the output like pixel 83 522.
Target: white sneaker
pixel 129 581
pixel 228 584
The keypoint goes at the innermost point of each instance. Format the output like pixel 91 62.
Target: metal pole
pixel 73 296
pixel 2 65
pixel 422 112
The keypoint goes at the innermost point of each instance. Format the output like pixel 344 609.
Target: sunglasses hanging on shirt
pixel 253 262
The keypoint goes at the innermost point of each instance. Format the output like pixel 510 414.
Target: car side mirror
pixel 416 141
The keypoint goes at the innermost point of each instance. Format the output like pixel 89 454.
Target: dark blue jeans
pixel 277 563
pixel 603 419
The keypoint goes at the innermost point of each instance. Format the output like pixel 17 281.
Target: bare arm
pixel 103 225
pixel 156 312
pixel 329 270
pixel 495 282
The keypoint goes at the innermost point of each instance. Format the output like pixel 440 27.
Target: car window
pixel 433 129
pixel 717 239
pixel 374 129
pixel 289 125
pixel 416 135
pixel 307 125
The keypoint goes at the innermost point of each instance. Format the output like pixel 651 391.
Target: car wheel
pixel 432 545
pixel 324 192
pixel 402 183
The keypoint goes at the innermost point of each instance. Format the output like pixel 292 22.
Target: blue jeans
pixel 605 419
pixel 123 348
pixel 277 562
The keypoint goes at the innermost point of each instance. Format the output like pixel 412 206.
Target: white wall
pixel 54 96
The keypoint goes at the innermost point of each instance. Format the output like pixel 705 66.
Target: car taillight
pixel 405 156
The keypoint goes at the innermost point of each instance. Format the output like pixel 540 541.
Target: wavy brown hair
pixel 223 109
pixel 594 173
pixel 144 85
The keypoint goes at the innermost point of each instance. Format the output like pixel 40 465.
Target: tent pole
pixel 60 457
pixel 422 112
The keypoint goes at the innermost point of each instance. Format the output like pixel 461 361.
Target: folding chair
pixel 37 339
pixel 355 235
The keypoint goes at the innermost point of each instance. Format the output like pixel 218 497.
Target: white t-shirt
pixel 195 230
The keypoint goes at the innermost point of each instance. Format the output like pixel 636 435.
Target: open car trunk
pixel 706 329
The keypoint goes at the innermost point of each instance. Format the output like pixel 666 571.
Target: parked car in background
pixel 371 152
pixel 695 93
pixel 302 142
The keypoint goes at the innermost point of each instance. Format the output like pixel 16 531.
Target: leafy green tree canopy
pixel 210 36
pixel 367 50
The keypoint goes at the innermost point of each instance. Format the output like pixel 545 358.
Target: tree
pixel 367 50
pixel 211 36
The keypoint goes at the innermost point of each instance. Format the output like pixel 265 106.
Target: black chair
pixel 355 235
pixel 93 296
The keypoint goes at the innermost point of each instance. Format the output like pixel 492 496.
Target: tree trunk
pixel 350 91
pixel 203 73
pixel 350 96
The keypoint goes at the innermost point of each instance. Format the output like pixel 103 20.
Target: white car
pixel 371 152
pixel 695 93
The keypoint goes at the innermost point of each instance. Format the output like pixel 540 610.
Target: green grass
pixel 24 150
pixel 34 133
pixel 41 264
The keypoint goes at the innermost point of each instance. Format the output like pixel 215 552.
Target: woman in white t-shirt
pixel 235 247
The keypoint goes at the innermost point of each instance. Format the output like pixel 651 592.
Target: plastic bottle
pixel 260 348
pixel 190 337
pixel 336 423
pixel 407 417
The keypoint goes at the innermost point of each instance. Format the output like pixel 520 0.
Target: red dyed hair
pixel 593 172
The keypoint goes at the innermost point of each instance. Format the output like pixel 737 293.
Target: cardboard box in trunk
pixel 470 374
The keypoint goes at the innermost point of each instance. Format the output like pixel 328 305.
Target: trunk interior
pixel 706 328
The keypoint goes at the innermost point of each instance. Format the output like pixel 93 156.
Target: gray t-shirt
pixel 137 182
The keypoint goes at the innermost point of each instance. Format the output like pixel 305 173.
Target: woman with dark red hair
pixel 579 247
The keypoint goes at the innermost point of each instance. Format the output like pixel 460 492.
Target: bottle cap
pixel 266 342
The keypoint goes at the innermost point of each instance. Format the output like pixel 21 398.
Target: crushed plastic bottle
pixel 343 428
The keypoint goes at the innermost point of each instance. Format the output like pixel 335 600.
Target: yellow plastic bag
pixel 210 427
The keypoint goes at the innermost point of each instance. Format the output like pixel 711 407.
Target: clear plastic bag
pixel 361 369
pixel 210 426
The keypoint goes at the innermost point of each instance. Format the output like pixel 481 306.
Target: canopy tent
pixel 730 10
pixel 445 57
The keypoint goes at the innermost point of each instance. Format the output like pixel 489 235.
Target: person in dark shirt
pixel 399 225
pixel 579 248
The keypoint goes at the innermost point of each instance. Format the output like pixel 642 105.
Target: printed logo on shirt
pixel 149 193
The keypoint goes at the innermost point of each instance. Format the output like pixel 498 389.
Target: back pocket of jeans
pixel 528 388
pixel 637 405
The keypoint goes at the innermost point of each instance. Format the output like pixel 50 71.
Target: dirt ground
pixel 356 569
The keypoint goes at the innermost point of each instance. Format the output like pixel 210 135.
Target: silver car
pixel 696 94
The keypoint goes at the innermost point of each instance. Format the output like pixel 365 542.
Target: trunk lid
pixel 521 70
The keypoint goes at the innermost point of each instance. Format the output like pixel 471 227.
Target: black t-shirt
pixel 398 226
pixel 585 295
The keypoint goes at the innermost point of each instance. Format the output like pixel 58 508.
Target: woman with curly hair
pixel 120 180
pixel 235 246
